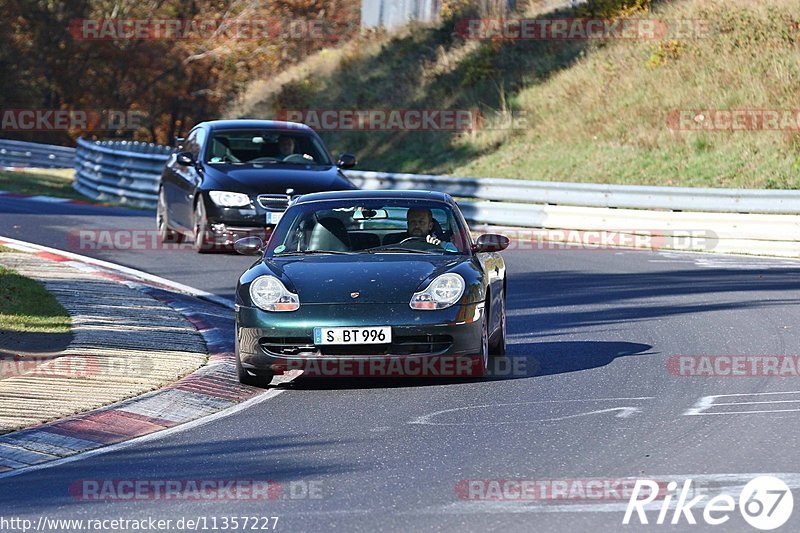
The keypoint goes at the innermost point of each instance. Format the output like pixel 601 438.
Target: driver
pixel 286 145
pixel 420 224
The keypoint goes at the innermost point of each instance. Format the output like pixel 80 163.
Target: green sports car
pixel 371 283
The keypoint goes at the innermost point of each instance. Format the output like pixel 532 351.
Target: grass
pixel 5 249
pixel 25 306
pixel 595 111
pixel 47 182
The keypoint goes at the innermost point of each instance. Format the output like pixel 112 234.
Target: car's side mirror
pixel 346 161
pixel 249 246
pixel 185 158
pixel 491 242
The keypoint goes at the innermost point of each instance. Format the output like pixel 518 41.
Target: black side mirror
pixel 249 246
pixel 491 242
pixel 346 161
pixel 185 158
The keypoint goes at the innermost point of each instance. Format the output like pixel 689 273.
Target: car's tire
pixel 246 378
pixel 498 347
pixel 165 234
pixel 481 361
pixel 201 231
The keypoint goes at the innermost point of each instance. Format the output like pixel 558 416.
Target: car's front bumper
pixel 424 343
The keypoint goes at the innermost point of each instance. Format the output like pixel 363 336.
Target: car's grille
pixel 274 202
pixel 408 345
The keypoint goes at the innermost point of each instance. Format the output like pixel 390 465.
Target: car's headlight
pixel 229 199
pixel 268 293
pixel 442 292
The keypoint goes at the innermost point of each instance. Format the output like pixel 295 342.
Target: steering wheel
pixel 408 239
pixel 298 158
pixel 263 159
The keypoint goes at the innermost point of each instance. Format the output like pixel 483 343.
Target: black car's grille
pixel 274 202
pixel 402 345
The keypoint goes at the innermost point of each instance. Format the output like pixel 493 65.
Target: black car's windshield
pixel 259 147
pixel 370 226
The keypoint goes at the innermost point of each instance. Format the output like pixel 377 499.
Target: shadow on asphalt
pixel 524 361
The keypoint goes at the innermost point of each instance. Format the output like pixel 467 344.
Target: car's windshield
pixel 265 147
pixel 369 226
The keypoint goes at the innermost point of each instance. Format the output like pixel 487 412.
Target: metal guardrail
pixel 128 172
pixel 28 154
pixel 592 195
pixel 120 171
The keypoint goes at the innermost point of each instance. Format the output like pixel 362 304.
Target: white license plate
pixel 273 218
pixel 375 335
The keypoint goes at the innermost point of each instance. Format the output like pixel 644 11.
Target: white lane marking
pixel 709 402
pixel 28 247
pixel 715 260
pixel 625 412
pixel 711 484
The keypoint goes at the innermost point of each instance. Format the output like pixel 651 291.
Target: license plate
pixel 273 218
pixel 375 335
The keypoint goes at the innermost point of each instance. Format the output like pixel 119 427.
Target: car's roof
pixel 247 124
pixel 375 195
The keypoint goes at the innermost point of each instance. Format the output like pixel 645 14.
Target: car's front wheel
pixel 498 347
pixel 482 360
pixel 202 237
pixel 254 380
pixel 165 234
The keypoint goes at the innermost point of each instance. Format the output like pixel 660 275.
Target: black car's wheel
pixel 202 237
pixel 165 234
pixel 482 361
pixel 246 378
pixel 498 347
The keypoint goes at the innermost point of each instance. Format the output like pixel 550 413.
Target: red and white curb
pixel 205 395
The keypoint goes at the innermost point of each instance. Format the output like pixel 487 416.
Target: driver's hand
pixel 433 240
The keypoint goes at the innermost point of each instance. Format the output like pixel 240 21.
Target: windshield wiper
pixel 312 252
pixel 394 249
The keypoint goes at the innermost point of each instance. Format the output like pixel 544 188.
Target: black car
pixel 376 283
pixel 235 178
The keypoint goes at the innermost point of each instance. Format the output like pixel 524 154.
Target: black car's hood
pixel 274 179
pixel 379 278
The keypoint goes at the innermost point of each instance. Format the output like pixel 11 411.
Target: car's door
pixel 188 179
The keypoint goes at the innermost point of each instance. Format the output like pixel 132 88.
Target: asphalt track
pixel 592 329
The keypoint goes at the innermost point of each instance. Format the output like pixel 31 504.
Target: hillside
pixel 583 110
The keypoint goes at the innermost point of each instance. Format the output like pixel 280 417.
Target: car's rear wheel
pixel 165 234
pixel 202 237
pixel 498 347
pixel 254 380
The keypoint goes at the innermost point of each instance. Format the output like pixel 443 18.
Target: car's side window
pixel 190 142
pixel 199 140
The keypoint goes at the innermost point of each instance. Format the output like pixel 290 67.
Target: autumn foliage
pixel 172 62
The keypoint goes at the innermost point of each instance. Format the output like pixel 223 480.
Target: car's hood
pixel 274 179
pixel 379 278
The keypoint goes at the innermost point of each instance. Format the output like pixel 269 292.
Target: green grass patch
pixel 25 306
pixel 5 249
pixel 46 182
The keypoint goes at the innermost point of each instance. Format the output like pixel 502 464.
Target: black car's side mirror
pixel 491 242
pixel 346 161
pixel 185 158
pixel 249 246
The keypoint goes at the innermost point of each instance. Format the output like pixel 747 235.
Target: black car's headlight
pixel 229 199
pixel 442 292
pixel 269 294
